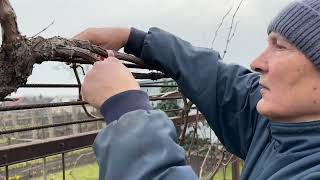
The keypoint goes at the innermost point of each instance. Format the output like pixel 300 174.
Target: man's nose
pixel 260 63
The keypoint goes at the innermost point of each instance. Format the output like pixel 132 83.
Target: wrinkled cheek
pixel 293 79
pixel 284 100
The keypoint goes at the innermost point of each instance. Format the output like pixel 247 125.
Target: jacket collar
pixel 296 137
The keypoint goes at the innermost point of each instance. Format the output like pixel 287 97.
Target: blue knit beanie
pixel 299 22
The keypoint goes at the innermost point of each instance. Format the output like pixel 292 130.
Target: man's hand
pixel 107 38
pixel 106 79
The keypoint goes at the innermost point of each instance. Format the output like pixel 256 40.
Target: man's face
pixel 290 83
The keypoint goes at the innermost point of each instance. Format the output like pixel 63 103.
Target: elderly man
pixel 270 118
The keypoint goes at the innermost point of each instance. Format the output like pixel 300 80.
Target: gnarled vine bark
pixel 19 53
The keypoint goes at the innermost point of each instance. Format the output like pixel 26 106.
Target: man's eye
pixel 280 47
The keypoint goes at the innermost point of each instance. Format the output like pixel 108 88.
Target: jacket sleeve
pixel 139 143
pixel 226 94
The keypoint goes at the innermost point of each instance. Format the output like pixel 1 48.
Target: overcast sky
pixel 194 21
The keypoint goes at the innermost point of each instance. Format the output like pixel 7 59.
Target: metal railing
pixel 43 148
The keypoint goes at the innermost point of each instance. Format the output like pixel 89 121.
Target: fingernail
pixel 110 53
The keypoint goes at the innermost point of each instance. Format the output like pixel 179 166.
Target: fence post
pixel 50 121
pixel 44 169
pixel 236 169
pixel 34 123
pixel 74 115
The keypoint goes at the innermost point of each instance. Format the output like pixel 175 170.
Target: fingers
pixel 93 35
pixel 80 36
pixel 106 79
pixel 84 35
pixel 108 38
pixel 106 66
pixel 110 53
pixel 84 89
pixel 109 59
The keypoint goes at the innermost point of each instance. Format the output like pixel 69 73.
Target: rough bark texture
pixel 18 57
pixel 15 65
pixel 8 22
pixel 18 53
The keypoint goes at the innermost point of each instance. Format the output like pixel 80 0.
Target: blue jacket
pixel 139 143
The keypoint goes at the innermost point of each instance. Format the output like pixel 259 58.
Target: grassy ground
pixel 219 175
pixel 91 172
pixel 87 172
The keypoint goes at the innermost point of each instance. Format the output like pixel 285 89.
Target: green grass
pixel 91 172
pixel 219 175
pixel 87 172
pixel 48 159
